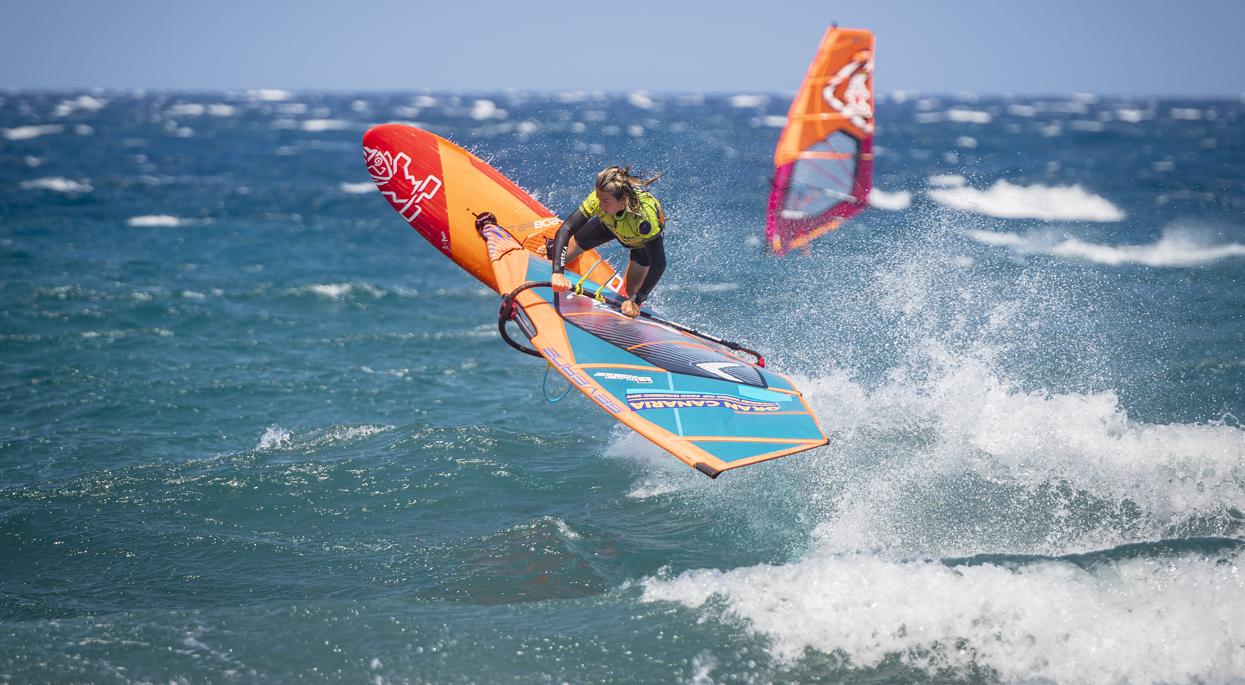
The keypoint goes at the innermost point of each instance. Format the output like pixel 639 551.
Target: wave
pixel 958 116
pixel 892 201
pixel 318 125
pixel 83 102
pixel 748 101
pixel 972 463
pixel 1050 203
pixel 1176 248
pixel 947 181
pixel 58 184
pixel 277 438
pixel 1142 620
pixel 28 132
pixel 358 188
pixel 156 221
pixel 269 95
pixel 194 109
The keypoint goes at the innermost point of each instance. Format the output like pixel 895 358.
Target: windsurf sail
pixel 823 165
pixel 699 398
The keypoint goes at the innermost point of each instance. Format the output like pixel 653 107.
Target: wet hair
pixel 622 185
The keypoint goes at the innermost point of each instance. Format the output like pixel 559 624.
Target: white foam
pixel 82 102
pixel 894 201
pixel 774 120
pixel 58 184
pixel 1022 110
pixel 1129 115
pixel 1185 114
pixel 275 437
pixel 269 94
pixel 1087 125
pixel 186 109
pixel 748 101
pixel 337 291
pixel 1175 248
pixel 969 116
pixel 358 188
pixel 1005 200
pixel 947 181
pixel 194 109
pixel 640 99
pixel 650 489
pixel 486 109
pixel 28 132
pixel 318 125
pixel 961 423
pixel 156 221
pixel 1139 620
pixel 959 116
pixel 352 433
pixel 967 142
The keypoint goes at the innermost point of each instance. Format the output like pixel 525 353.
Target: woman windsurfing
pixel 620 208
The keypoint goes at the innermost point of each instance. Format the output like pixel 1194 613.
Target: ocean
pixel 256 429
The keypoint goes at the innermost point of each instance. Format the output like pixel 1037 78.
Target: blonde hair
pixel 620 184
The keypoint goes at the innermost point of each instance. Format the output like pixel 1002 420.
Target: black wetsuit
pixel 592 233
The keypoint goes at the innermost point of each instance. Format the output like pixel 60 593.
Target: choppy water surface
pixel 255 429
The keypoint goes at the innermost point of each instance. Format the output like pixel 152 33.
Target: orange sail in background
pixel 823 165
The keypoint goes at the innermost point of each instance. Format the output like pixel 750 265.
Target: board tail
pixel 823 164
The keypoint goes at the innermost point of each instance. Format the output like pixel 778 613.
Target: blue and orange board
pixel 698 399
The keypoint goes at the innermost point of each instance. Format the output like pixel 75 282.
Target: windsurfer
pixel 619 208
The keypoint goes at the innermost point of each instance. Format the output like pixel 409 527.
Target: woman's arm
pixel 656 253
pixel 573 223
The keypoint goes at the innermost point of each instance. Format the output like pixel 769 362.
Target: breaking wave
pixel 1050 203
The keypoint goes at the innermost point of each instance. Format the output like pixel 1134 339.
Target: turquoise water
pixel 257 430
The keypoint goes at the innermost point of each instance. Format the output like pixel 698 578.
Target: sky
pixel 1143 47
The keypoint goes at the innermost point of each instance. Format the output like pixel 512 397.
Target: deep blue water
pixel 255 429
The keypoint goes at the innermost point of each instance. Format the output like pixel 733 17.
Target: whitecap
pixel 318 125
pixel 275 437
pixel 748 101
pixel 486 109
pixel 1185 114
pixel 337 291
pixel 946 180
pixel 640 99
pixel 1138 620
pixel 357 188
pixel 269 94
pixel 969 116
pixel 28 132
pixel 82 102
pixel 186 109
pixel 1176 248
pixel 58 184
pixel 1008 201
pixel 155 221
pixel 891 201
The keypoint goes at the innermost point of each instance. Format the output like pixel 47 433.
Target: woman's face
pixel 609 203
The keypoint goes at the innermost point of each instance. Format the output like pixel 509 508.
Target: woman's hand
pixel 560 283
pixel 630 308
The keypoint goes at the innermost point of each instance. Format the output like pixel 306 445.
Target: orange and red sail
pixel 823 165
